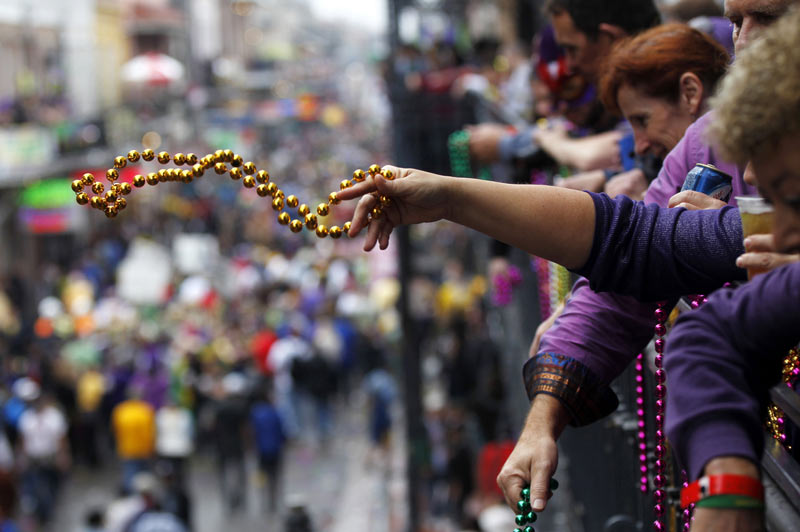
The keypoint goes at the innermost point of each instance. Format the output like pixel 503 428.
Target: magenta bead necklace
pixel 659 480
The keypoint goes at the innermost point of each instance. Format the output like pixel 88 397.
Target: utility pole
pixel 412 375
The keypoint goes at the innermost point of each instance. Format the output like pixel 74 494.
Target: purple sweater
pixel 598 335
pixel 721 360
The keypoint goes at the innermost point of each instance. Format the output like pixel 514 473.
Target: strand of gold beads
pixel 112 201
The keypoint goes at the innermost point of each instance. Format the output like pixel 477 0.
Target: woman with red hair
pixel 660 80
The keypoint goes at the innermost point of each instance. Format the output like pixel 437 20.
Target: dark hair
pixel 632 16
pixel 655 60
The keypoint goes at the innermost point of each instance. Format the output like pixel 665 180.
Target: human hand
pixel 535 456
pixel 415 197
pixel 695 201
pixel 727 520
pixel 631 183
pixel 484 142
pixel 761 255
pixel 592 181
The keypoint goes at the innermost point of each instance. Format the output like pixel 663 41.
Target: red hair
pixel 655 60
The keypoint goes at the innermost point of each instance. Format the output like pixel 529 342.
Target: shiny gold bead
pixel 323 209
pixel 237 160
pixel 87 179
pixel 191 159
pixel 220 168
pixel 346 228
pixel 284 218
pixel 322 231
pixel 179 158
pixel 110 211
pixel 249 168
pixel 77 185
pixel 126 188
pixel 345 184
pixel 296 226
pixel 98 188
pixel 280 194
pixel 174 174
pixel 133 156
pixel 148 154
pixel 219 156
pixel 120 162
pixel 292 201
pixel 272 188
pixel 333 198
pixel 262 176
pixel 152 178
pixel 311 221
pixel 262 191
pixel 163 175
pixel 303 209
pixel 116 188
pixel 387 174
pixel 359 176
pixel 385 200
pixel 335 231
pixel 112 174
pixel 163 157
pixel 277 204
pixel 110 196
pixel 227 155
pixel 236 173
pixel 139 180
pixel 187 176
pixel 249 181
pixel 208 161
pixel 82 198
pixel 198 170
pixel 121 203
pixel 98 202
pixel 374 169
pixel 377 212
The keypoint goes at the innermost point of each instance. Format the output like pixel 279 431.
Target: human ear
pixel 690 93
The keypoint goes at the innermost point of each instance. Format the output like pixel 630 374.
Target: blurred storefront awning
pixel 153 69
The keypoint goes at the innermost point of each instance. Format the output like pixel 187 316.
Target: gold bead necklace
pixel 112 201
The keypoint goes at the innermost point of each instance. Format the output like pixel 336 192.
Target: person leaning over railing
pixel 723 358
pixel 598 335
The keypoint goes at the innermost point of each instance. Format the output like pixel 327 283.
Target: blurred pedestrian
pixel 174 437
pixel 95 521
pixel 230 414
pixel 152 518
pixel 45 455
pixel 134 426
pixel 90 388
pixel 270 438
pixel 381 391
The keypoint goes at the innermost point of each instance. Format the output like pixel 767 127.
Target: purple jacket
pixel 598 335
pixel 721 360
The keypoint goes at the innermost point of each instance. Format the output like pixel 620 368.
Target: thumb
pixel 540 489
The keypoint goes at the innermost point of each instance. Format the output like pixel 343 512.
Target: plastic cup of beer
pixel 757 216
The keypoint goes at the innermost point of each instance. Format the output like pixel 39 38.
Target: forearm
pixel 584 154
pixel 552 223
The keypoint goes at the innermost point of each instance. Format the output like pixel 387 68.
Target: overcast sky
pixel 367 13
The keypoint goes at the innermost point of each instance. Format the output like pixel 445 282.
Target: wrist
pixel 731 465
pixel 547 417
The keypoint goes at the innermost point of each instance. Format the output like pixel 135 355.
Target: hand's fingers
pixel 373 231
pixel 540 485
pixel 765 261
pixel 385 230
pixel 361 213
pixel 755 243
pixel 511 486
pixel 358 189
pixel 688 206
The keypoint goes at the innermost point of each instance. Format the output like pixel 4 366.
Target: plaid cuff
pixel 572 383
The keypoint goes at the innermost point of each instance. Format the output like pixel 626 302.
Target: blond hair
pixel 758 102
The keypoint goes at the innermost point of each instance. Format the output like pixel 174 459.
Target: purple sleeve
pixel 602 333
pixel 655 253
pixel 720 361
